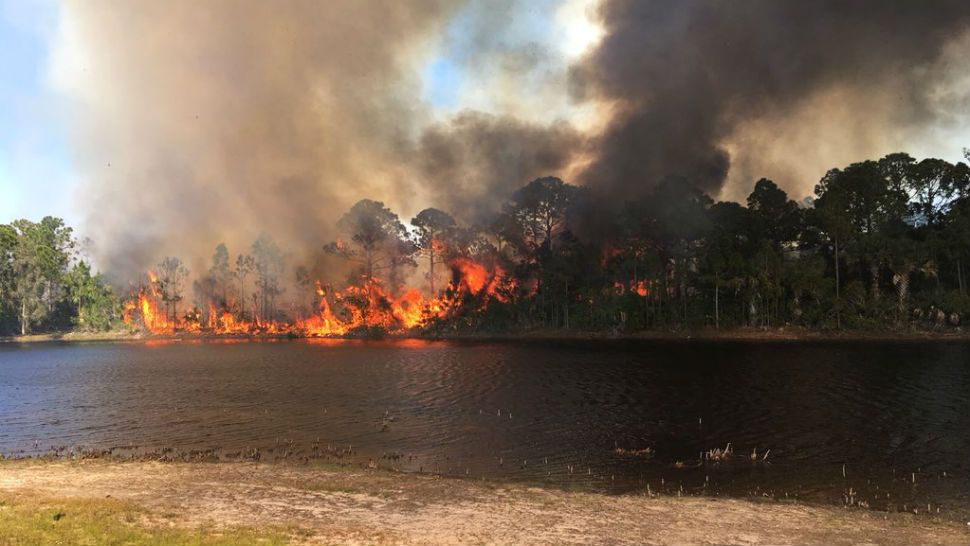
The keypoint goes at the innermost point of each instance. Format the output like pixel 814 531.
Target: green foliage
pixel 45 286
pixel 95 304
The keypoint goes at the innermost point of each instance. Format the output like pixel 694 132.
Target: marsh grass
pixel 26 520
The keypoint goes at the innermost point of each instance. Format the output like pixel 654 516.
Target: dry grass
pixel 644 453
pixel 717 454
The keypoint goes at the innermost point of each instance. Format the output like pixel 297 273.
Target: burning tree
pixel 268 265
pixel 434 228
pixel 170 282
pixel 378 239
pixel 378 242
pixel 221 274
pixel 244 267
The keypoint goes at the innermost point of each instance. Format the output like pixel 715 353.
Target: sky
pixel 36 175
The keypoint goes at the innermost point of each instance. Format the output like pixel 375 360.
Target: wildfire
pixel 146 304
pixel 363 305
pixel 475 279
pixel 639 288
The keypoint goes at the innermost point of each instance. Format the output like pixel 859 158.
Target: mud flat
pixel 252 503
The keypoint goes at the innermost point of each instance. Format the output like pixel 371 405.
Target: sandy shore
pixel 703 334
pixel 324 505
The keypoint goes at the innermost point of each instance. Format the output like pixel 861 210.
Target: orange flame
pixel 338 312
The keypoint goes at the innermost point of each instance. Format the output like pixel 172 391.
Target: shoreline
pixel 787 334
pixel 326 504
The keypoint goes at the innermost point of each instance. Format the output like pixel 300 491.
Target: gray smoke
pixel 201 122
pixel 212 121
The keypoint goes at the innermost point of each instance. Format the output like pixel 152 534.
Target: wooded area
pixel 46 285
pixel 882 244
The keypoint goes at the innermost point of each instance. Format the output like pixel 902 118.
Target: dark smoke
pixel 472 162
pixel 681 77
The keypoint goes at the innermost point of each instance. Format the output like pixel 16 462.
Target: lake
pixel 877 423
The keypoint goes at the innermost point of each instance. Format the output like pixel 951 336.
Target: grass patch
pixel 36 521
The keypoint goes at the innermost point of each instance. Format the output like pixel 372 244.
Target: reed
pixel 717 454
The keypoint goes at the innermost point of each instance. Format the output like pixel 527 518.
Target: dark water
pixel 891 413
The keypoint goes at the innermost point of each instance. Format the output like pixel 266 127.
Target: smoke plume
pixel 700 89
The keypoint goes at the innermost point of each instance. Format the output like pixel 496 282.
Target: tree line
pixel 881 244
pixel 248 287
pixel 47 285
